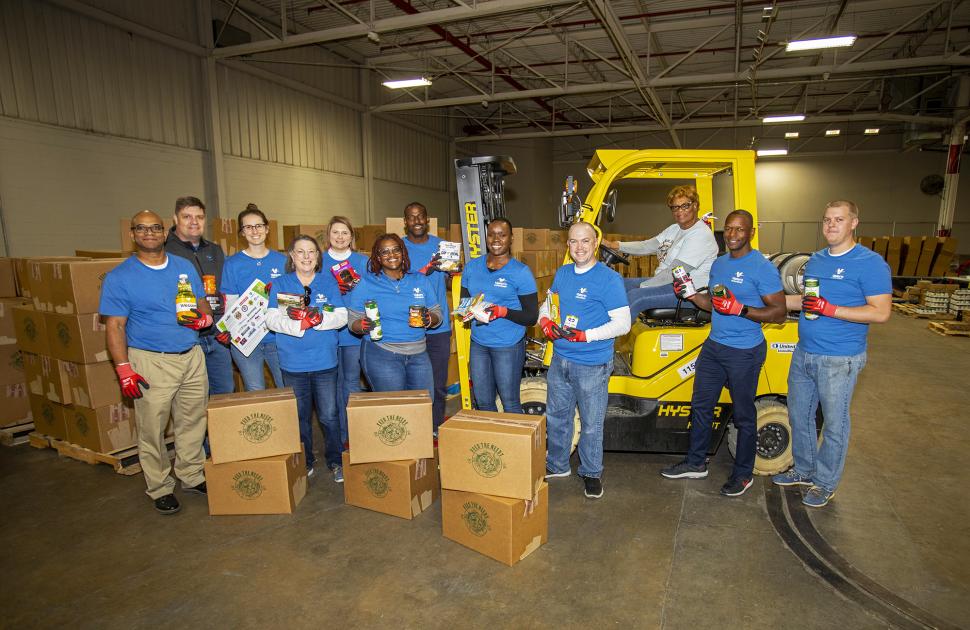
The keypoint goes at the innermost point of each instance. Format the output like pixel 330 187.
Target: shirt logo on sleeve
pixel 838 275
pixel 501 283
pixel 738 277
pixel 581 294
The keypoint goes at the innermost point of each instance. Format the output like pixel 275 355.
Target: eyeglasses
pixel 305 253
pixel 148 229
pixel 389 251
pixel 681 207
pixel 256 227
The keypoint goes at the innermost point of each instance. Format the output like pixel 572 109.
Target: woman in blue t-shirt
pixel 306 308
pixel 256 262
pixel 497 353
pixel 340 248
pixel 407 307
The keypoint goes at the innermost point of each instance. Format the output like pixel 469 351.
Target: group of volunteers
pixel 338 319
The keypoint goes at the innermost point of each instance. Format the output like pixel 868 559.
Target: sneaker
pixel 338 473
pixel 790 478
pixel 736 487
pixel 199 489
pixel 817 497
pixel 167 504
pixel 594 487
pixel 309 472
pixel 550 474
pixel 683 470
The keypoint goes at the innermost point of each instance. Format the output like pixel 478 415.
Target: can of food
pixel 570 321
pixel 719 291
pixel 416 316
pixel 327 308
pixel 209 284
pixel 811 290
pixel 370 309
pixel 680 273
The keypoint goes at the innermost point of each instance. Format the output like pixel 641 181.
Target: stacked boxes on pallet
pixel 14 403
pixel 494 497
pixel 257 464
pixel 392 466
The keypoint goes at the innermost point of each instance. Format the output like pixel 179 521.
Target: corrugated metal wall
pixel 408 156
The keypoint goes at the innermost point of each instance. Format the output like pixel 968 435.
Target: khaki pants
pixel 178 387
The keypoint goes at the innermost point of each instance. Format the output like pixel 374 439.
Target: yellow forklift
pixel 650 390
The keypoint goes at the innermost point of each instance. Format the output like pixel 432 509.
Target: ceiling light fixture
pixel 781 119
pixel 832 132
pixel 772 152
pixel 872 131
pixel 791 134
pixel 822 42
pixel 406 83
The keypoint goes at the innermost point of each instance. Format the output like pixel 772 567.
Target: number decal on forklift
pixel 687 370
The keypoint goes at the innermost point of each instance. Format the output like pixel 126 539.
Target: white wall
pixel 391 197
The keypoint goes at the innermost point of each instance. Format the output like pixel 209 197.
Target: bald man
pixel 157 357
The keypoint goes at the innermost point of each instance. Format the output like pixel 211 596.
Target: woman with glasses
pixel 340 253
pixel 407 307
pixel 256 262
pixel 306 307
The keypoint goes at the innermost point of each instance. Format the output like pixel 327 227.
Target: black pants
pixel 439 347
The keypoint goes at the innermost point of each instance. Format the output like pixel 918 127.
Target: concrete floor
pixel 82 546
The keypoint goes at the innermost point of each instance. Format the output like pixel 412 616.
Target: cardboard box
pixel 251 425
pixel 8 331
pixel 14 404
pixel 395 225
pixel 12 365
pixel 33 373
pixel 505 529
pixel 389 426
pixel 8 278
pixel 518 241
pixel 270 485
pixel 30 329
pixel 104 430
pixel 403 488
pixel 503 454
pixel 317 231
pixel 101 253
pixel 75 286
pixel 48 417
pixel 92 384
pixel 946 249
pixel 76 338
pixel 56 386
pixel 366 235
pixel 536 239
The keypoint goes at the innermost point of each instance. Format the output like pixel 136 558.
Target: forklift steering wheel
pixel 610 256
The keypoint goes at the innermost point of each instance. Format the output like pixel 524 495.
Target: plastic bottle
pixel 184 297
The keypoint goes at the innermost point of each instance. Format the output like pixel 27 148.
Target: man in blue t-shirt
pixel 745 293
pixel 593 311
pixel 152 320
pixel 854 290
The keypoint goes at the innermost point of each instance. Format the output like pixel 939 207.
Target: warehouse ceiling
pixel 681 70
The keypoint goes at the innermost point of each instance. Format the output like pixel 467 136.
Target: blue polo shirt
pixel 316 349
pixel 420 254
pixel 394 300
pixel 748 278
pixel 588 296
pixel 845 280
pixel 146 297
pixel 240 270
pixel 359 262
pixel 503 287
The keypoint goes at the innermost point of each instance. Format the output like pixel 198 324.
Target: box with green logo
pixel 105 429
pixel 494 453
pixel 48 417
pixel 253 425
pixel 8 331
pixel 76 338
pixel 390 426
pixel 498 527
pixel 270 485
pixel 75 286
pixel 12 365
pixel 93 384
pixel 14 404
pixel 30 329
pixel 402 488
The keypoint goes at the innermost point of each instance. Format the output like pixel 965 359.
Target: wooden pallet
pixel 125 462
pixel 950 329
pixel 16 434
pixel 39 440
pixel 909 310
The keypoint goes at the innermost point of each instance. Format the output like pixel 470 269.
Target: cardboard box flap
pixel 491 426
pixel 379 399
pixel 219 401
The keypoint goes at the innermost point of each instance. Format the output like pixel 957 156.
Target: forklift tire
pixel 532 395
pixel 774 438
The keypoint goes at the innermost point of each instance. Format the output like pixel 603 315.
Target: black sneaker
pixel 683 470
pixel 167 504
pixel 594 487
pixel 550 474
pixel 199 489
pixel 736 487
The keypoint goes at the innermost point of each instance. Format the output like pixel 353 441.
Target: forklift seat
pixel 677 315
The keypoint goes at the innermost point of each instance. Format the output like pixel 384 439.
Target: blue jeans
pixel 317 390
pixel 719 365
pixel 813 380
pixel 348 366
pixel 251 367
pixel 642 299
pixel 497 369
pixel 570 384
pixel 388 371
pixel 439 349
pixel 218 365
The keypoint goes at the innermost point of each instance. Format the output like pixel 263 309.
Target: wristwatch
pixel 744 311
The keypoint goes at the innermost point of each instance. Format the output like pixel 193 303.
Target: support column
pixel 216 200
pixel 367 142
pixel 951 179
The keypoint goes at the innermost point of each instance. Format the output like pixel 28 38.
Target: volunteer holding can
pixel 346 266
pixel 256 262
pixel 307 308
pixel 498 335
pixel 393 308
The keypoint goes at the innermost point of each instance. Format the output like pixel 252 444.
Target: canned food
pixel 416 316
pixel 327 308
pixel 571 321
pixel 370 309
pixel 811 290
pixel 209 284
pixel 719 290
pixel 680 273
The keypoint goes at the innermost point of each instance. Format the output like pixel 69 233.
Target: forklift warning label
pixel 786 348
pixel 687 370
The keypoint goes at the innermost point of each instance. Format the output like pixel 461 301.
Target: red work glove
pixel 344 287
pixel 224 338
pixel 431 267
pixel 298 313
pixel 496 311
pixel 313 318
pixel 195 320
pixel 818 305
pixel 130 380
pixel 550 329
pixel 574 334
pixel 680 289
pixel 727 305
pixel 366 325
pixel 268 287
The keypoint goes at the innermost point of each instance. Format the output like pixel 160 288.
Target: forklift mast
pixel 481 197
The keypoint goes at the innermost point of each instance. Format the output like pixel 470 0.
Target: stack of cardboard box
pixel 392 466
pixel 257 464
pixel 14 404
pixel 494 496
